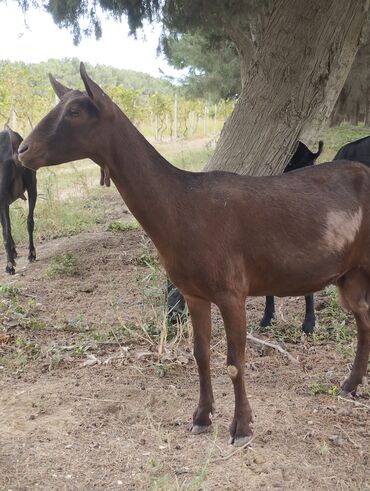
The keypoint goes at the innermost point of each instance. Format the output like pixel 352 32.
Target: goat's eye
pixel 74 113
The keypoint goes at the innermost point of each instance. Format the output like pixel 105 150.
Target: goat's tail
pixel 318 153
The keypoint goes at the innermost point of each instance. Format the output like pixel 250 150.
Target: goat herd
pixel 319 227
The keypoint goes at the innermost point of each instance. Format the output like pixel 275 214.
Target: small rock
pixel 336 440
pixel 91 361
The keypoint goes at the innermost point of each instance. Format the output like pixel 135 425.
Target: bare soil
pixel 91 399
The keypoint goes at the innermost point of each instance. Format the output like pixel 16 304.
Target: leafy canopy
pixel 175 15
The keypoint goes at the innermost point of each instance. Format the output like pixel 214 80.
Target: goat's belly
pixel 296 279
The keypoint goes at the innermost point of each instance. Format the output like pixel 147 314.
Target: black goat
pixel 176 306
pixel 359 151
pixel 303 157
pixel 14 181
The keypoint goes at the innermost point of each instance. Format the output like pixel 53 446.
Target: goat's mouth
pixel 31 159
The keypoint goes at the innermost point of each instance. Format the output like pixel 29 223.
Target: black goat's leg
pixel 176 305
pixel 269 314
pixel 8 239
pixel 309 321
pixel 32 194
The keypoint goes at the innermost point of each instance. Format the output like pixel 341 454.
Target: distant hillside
pixel 67 71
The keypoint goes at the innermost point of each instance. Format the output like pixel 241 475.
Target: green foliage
pixel 196 34
pixel 336 324
pixel 63 265
pixel 9 290
pixel 319 388
pixel 213 63
pixel 175 15
pixel 122 227
pixel 130 101
pixel 16 311
pixel 26 95
pixel 335 138
pixel 147 260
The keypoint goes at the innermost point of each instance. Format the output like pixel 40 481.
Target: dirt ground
pixel 86 401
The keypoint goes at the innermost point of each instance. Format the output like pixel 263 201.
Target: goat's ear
pixel 15 139
pixel 59 88
pixel 93 90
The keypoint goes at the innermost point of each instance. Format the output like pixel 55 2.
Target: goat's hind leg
pixel 200 313
pixel 269 313
pixel 308 325
pixel 354 289
pixel 234 317
pixel 32 196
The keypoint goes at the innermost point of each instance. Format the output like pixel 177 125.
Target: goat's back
pixel 358 151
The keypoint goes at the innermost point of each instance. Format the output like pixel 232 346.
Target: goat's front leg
pixel 8 239
pixel 200 313
pixel 233 314
pixel 32 195
pixel 309 321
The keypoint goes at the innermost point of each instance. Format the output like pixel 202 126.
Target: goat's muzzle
pixel 26 158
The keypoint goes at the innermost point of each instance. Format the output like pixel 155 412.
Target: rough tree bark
pixel 355 91
pixel 299 68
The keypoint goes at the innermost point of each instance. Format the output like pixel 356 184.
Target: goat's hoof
pixel 241 441
pixel 31 258
pixel 10 270
pixel 197 429
pixel 347 390
pixel 308 327
pixel 345 393
pixel 265 322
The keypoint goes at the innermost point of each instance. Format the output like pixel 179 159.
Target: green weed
pixel 147 260
pixel 319 388
pixel 122 226
pixel 63 265
pixel 9 290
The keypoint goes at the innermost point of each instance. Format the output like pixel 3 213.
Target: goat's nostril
pixel 22 148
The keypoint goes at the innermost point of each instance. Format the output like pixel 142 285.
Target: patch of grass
pixel 192 160
pixel 335 138
pixel 320 388
pixel 122 227
pixel 9 290
pixel 63 265
pixel 335 324
pixel 67 203
pixel 16 312
pixel 146 260
pixel 323 449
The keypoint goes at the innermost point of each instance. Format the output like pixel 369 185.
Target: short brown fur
pixel 222 252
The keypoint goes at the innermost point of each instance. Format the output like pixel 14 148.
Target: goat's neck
pixel 145 180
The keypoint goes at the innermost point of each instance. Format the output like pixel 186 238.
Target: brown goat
pixel 222 252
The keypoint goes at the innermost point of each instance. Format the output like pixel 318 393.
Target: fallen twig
pixel 95 399
pixel 274 346
pixel 231 454
pixel 356 445
pixel 356 403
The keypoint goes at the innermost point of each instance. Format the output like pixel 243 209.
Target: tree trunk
pixel 367 104
pixel 298 70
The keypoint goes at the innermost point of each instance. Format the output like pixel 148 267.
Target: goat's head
pixel 75 129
